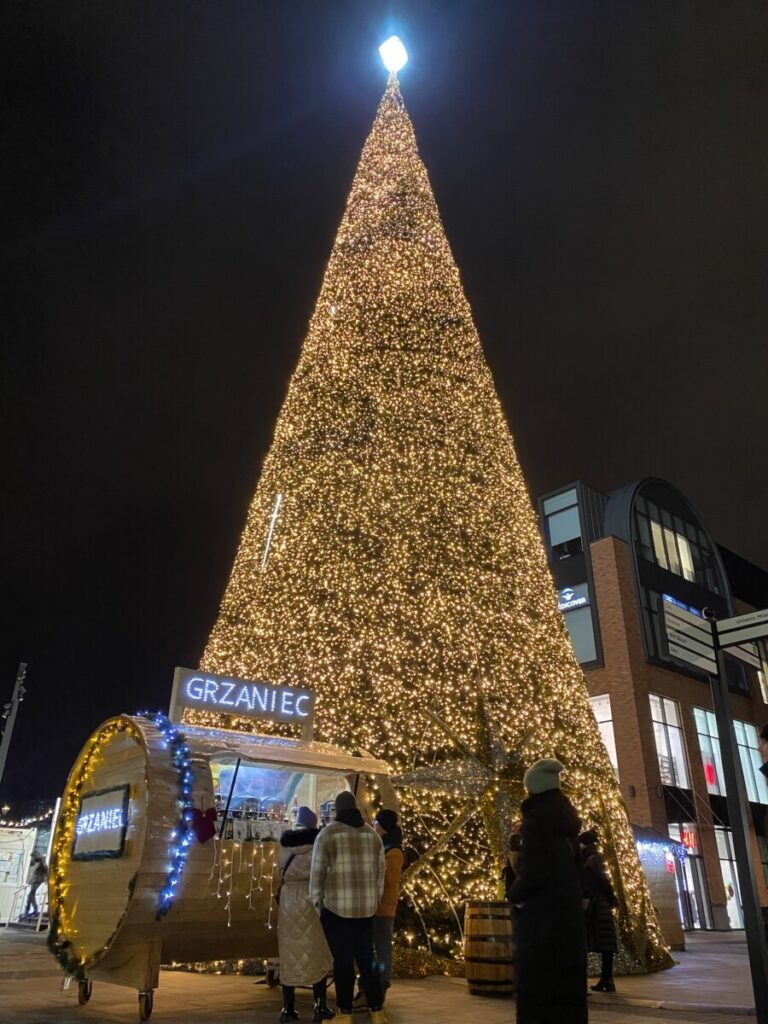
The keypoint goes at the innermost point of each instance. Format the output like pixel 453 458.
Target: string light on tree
pixel 405 572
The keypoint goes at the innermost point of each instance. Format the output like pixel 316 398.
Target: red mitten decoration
pixel 204 824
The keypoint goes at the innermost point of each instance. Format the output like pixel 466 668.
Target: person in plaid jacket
pixel 345 885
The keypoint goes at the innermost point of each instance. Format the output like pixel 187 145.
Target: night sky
pixel 173 176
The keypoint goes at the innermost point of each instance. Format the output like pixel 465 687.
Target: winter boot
pixel 288 1013
pixel 321 1009
pixel 604 986
pixel 378 1017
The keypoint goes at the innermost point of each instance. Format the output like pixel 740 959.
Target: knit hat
pixel 306 817
pixel 345 801
pixel 588 838
pixel 386 819
pixel 543 775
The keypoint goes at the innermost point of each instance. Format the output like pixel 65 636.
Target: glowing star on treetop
pixel 394 54
pixel 392 561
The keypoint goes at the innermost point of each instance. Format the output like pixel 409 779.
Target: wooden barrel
pixel 489 951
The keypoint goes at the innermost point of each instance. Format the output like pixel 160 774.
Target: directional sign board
pixel 741 628
pixel 748 653
pixel 689 638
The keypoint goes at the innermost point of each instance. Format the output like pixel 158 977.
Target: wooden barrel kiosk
pixel 137 876
pixel 489 951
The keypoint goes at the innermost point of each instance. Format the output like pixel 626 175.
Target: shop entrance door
pixel 730 879
pixel 692 893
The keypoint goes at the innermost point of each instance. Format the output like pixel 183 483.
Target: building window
pixel 561 515
pixel 730 879
pixel 670 747
pixel 746 738
pixel 601 706
pixel 709 744
pixel 762 672
pixel 573 602
pixel 654 631
pixel 762 845
pixel 675 545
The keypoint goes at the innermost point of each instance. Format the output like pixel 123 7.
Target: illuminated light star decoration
pixel 487 777
pixel 394 54
pixel 406 563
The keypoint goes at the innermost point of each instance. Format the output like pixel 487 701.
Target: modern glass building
pixel 616 560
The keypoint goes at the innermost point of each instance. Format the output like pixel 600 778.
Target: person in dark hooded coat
pixel 601 929
pixel 550 941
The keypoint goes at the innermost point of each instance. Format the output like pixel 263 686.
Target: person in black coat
pixel 598 891
pixel 509 871
pixel 551 949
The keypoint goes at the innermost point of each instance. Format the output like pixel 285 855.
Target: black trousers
pixel 350 939
pixel 318 991
pixel 606 974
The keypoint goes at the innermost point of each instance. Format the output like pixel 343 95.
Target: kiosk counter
pixel 166 845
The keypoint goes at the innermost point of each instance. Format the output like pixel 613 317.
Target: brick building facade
pixel 616 558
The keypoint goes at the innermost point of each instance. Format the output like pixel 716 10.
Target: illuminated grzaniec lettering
pixel 102 820
pixel 203 691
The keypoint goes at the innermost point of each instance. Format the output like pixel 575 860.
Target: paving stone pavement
pixel 30 993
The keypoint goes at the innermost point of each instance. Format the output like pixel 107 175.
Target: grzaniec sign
pixel 245 698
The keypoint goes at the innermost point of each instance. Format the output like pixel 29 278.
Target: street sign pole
pixel 739 821
pixel 9 714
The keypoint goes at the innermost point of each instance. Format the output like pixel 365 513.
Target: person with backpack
pixel 304 955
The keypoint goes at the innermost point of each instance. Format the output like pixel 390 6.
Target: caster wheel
pixel 84 990
pixel 145 1005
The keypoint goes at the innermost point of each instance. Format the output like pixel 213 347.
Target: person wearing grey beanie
pixel 551 952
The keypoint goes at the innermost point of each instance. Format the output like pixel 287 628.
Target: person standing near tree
pixel 551 951
pixel 762 746
pixel 345 886
pixel 509 871
pixel 386 825
pixel 304 955
pixel 601 902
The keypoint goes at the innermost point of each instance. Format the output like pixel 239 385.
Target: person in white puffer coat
pixel 305 958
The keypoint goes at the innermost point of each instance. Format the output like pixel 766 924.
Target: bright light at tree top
pixel 393 53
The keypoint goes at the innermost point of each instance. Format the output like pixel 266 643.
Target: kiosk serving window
pixel 263 798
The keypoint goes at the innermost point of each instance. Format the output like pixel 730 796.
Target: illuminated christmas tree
pixel 392 559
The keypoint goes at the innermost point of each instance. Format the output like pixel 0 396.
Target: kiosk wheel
pixel 145 1005
pixel 84 991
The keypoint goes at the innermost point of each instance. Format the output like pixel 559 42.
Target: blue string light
pixel 182 836
pixel 649 848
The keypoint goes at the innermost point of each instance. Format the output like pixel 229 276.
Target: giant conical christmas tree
pixel 392 560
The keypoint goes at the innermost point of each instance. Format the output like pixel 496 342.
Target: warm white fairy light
pixel 406 573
